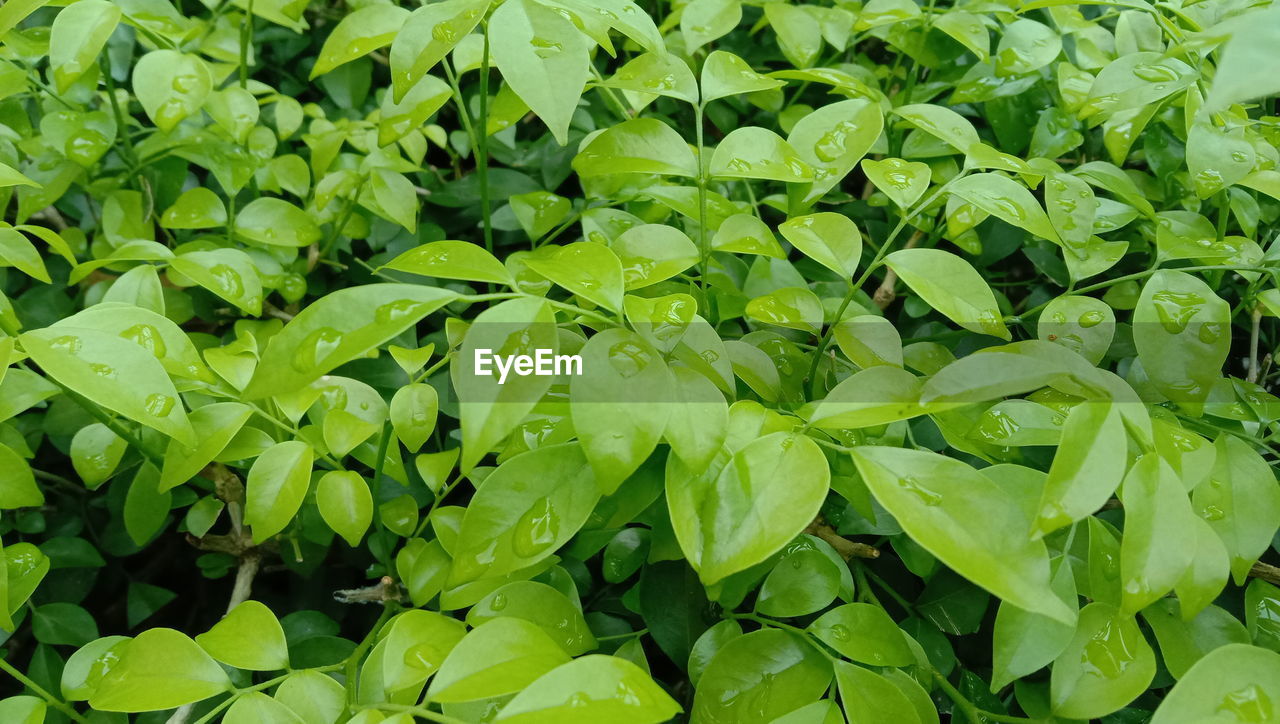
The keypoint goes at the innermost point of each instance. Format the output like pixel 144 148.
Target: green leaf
pixel 620 405
pixel 804 581
pixel 145 508
pixel 725 74
pixel 276 222
pixel 1107 665
pixel 746 234
pixel 86 667
pixel 1082 324
pixel 640 145
pixel 214 425
pixel 716 514
pixel 863 633
pixel 198 208
pixel 760 676
pixel 1246 69
pixel 869 397
pixel 792 307
pixel 1182 331
pixel 1007 200
pixel 314 697
pixel 1153 552
pixel 661 74
pixel 113 372
pixel 904 182
pixel 1023 642
pixel 1135 80
pixel 651 253
pixel 1236 681
pixel 23 709
pixel 394 198
pixel 77 36
pixel 703 21
pixel 345 504
pixel 540 604
pixel 363 31
pixel 171 86
pixel 966 520
pixel 491 410
pixel 590 270
pixel 1183 643
pixel 160 669
pixel 228 273
pixel 592 688
pixel 275 487
pixel 452 260
pixel 499 657
pixel 414 647
pixel 1240 502
pixel 63 624
pixel 1087 468
pixel 952 287
pixel 754 152
pixel 830 239
pixel 543 58
pixel 869 697
pixel 430 32
pixel 258 708
pixel 1026 46
pixel 248 637
pixel 18 487
pixel 18 252
pixel 413 414
pixel 338 328
pixel 523 511
pixel 399 118
pixel 9 176
pixel 942 123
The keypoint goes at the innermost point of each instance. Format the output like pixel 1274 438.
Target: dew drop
pixel 158 404
pixel 537 529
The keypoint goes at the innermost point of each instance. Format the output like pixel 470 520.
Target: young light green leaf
pixel 499 657
pixel 1182 331
pixel 620 404
pixel 951 286
pixel 276 486
pixel 338 328
pixel 276 222
pixel 640 145
pixel 725 74
pixel 606 688
pixel 540 604
pixel 452 260
pixel 18 487
pixel 703 21
pixel 363 31
pixel 543 57
pixel 1007 200
pixel 863 633
pixel 198 208
pixel 869 697
pixel 77 36
pixel 413 414
pixel 523 511
pixel 590 270
pixel 248 637
pixel 661 74
pixel 1087 467
pixel 760 676
pixel 1240 502
pixel 966 520
pixel 427 36
pixel 758 153
pixel 345 504
pixel 1153 551
pixel 828 238
pixel 1107 665
pixel 113 372
pixel 712 513
pixel 171 86
pixel 1236 680
pixel 160 669
pixel 228 273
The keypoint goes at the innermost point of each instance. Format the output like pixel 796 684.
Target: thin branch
pixel 846 548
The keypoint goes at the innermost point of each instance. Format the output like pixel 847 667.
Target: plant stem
pixel 482 144
pixel 703 252
pixel 352 664
pixel 883 251
pixel 1143 274
pixel 418 711
pixel 53 701
pixel 246 40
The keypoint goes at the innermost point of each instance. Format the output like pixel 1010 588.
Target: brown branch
pixel 1266 572
pixel 383 591
pixel 886 292
pixel 846 548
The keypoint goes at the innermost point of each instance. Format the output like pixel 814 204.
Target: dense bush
pixel 925 356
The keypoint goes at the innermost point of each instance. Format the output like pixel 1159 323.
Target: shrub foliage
pixel 925 354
